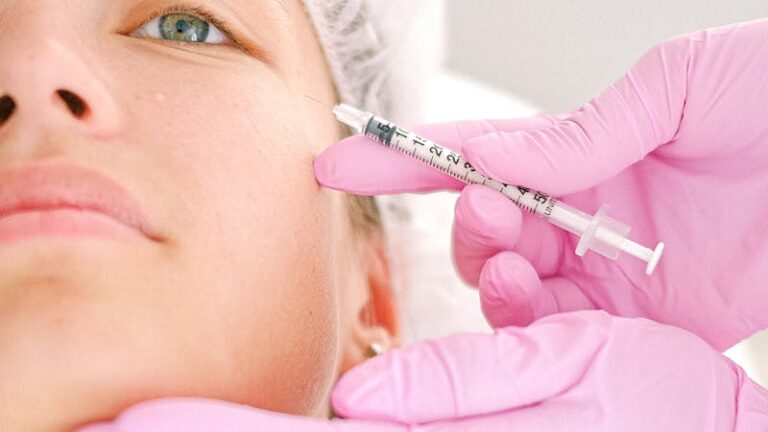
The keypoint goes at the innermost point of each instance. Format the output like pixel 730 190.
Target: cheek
pixel 253 291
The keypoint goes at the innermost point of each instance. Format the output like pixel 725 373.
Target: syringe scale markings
pixel 600 233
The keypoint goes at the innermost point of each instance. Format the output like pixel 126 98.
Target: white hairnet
pixel 375 50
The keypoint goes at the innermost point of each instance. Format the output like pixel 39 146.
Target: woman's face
pixel 223 277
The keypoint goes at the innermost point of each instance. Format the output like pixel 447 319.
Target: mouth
pixel 65 200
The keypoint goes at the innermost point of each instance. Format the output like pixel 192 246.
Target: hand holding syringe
pixel 599 233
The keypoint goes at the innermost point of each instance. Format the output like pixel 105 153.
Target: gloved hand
pixel 582 371
pixel 678 148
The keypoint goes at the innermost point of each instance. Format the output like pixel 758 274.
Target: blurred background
pixel 504 58
pixel 559 54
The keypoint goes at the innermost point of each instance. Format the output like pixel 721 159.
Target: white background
pixel 558 54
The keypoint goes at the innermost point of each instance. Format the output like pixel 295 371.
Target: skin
pixel 256 291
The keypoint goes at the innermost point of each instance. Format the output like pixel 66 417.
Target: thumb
pixel 630 119
pixel 470 375
pixel 511 292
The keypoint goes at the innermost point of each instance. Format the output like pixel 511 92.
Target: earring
pixel 375 349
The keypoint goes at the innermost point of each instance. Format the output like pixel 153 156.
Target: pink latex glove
pixel 678 148
pixel 582 371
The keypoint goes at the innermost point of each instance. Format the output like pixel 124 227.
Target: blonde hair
pixel 364 214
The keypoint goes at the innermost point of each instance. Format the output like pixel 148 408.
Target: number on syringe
pixel 383 132
pixel 540 197
pixel 436 150
pixel 453 157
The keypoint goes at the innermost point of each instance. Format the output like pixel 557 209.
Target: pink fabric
pixel 581 371
pixel 678 148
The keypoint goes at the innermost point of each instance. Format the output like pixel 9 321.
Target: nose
pixel 7 107
pixel 47 84
pixel 75 104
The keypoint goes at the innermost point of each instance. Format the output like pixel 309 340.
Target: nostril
pixel 75 103
pixel 7 107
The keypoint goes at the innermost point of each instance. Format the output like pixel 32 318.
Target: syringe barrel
pixel 352 117
pixel 569 218
pixel 599 233
pixel 454 165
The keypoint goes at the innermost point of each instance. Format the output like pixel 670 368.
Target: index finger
pixel 361 166
pixel 468 375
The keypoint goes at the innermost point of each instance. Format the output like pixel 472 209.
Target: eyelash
pixel 201 13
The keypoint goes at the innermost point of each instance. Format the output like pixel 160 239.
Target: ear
pixel 373 315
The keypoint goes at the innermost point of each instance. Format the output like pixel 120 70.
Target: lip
pixel 53 190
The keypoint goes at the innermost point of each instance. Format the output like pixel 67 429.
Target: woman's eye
pixel 182 27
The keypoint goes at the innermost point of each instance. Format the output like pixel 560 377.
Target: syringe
pixel 600 233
